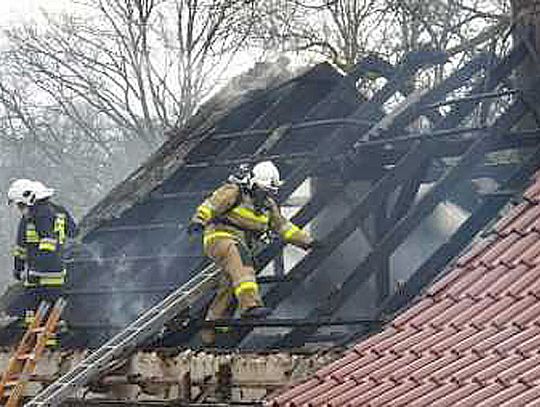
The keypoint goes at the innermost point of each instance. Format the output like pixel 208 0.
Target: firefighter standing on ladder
pixel 43 230
pixel 232 219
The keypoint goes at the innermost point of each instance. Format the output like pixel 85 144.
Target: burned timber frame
pixel 365 144
pixel 355 140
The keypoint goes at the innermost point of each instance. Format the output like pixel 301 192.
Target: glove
pixel 17 274
pixel 195 228
pixel 194 231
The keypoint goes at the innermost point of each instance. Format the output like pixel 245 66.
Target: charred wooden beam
pixel 276 295
pixel 477 97
pixel 396 235
pixel 432 267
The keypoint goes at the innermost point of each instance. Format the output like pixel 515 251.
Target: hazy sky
pixel 14 11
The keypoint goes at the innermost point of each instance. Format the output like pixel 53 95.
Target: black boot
pixel 259 312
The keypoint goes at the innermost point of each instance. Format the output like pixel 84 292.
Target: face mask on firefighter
pixel 259 197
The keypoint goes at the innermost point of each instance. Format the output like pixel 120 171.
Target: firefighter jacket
pixel 41 237
pixel 233 211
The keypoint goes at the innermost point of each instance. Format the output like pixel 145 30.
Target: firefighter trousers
pixel 237 286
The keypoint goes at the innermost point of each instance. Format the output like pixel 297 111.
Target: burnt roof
pixel 380 188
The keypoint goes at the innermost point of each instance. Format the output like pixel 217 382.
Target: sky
pixel 16 11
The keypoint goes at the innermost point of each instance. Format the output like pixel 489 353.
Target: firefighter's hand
pixel 195 229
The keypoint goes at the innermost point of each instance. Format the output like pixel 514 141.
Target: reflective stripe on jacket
pixel 40 240
pixel 230 212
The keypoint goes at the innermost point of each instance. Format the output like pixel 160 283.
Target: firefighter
pixel 232 220
pixel 43 230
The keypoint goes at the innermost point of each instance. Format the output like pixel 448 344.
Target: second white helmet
pixel 266 176
pixel 27 192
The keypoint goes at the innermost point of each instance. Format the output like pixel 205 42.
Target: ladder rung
pixel 26 356
pixel 38 330
pixel 11 383
pixel 133 329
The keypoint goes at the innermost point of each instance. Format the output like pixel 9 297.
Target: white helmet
pixel 266 176
pixel 42 191
pixel 27 192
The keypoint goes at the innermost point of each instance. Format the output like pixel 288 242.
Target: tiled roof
pixel 473 339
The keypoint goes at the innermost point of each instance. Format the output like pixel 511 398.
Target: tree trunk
pixel 527 13
pixel 526 17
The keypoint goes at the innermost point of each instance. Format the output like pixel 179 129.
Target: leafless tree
pixel 345 30
pixel 144 64
pixel 87 95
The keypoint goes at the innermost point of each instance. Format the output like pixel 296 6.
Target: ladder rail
pixel 146 325
pixel 31 363
pixel 23 362
pixel 15 364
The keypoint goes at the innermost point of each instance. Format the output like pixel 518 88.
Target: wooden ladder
pixel 22 364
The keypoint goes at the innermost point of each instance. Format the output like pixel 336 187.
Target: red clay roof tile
pixel 446 281
pixel 502 226
pixel 389 369
pixel 523 223
pixel 353 392
pixel 388 397
pixel 451 371
pixel 522 397
pixel 527 279
pixel 361 397
pixel 505 395
pixel 315 391
pixel 491 372
pixel 493 337
pixel 344 372
pixel 527 317
pixel 488 391
pixel 454 398
pixel 505 280
pixel 476 251
pixel 409 398
pixel 532 194
pixel 406 371
pixel 485 278
pixel 472 340
pixel 492 257
pixel 448 340
pixel 370 370
pixel 513 255
pixel 344 361
pixel 415 339
pixel 436 394
pixel 325 398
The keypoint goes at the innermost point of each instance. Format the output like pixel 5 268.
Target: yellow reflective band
pixel 52 281
pixel 249 214
pixel 205 213
pixel 31 234
pixel 60 227
pixel 290 232
pixel 246 286
pixel 209 237
pixel 19 252
pixel 29 317
pixel 222 329
pixel 52 341
pixel 47 244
